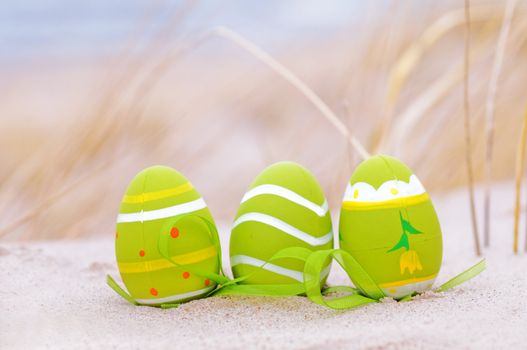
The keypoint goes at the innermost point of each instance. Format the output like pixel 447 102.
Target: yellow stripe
pixel 391 203
pixel 152 196
pixel 408 281
pixel 160 264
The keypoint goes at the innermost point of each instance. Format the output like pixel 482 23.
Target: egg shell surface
pixel 389 225
pixel 155 198
pixel 283 207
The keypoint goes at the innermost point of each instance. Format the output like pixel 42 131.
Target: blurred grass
pixel 74 135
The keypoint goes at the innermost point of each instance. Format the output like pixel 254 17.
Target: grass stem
pixel 520 164
pixel 490 113
pixel 285 73
pixel 468 148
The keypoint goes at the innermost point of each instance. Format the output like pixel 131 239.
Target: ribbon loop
pixel 359 277
pixel 163 248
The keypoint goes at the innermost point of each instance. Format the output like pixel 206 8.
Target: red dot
pixel 153 291
pixel 116 235
pixel 207 282
pixel 186 275
pixel 141 253
pixel 174 232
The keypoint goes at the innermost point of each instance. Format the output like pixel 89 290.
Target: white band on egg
pixel 296 275
pixel 168 212
pixel 285 193
pixel 284 227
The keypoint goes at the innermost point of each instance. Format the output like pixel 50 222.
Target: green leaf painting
pixel 407 229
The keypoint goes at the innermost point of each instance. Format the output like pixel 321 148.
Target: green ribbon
pixel 226 286
pixel 366 291
pixel 117 288
pixel 464 276
pixel 163 248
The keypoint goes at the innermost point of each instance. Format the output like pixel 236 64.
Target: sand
pixel 53 295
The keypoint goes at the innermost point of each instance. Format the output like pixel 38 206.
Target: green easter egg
pixel 154 200
pixel 284 207
pixel 389 225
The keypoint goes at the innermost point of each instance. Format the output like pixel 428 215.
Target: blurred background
pixel 92 92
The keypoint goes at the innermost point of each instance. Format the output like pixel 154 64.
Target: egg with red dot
pixel 207 282
pixel 148 277
pixel 174 232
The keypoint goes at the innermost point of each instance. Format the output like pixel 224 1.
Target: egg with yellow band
pixel 389 225
pixel 160 200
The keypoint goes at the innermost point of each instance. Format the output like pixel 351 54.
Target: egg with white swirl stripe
pixel 284 207
pixel 389 225
pixel 154 200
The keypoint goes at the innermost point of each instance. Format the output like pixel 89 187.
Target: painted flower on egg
pixel 409 259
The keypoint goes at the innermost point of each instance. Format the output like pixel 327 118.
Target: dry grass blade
pixel 490 110
pixel 51 199
pixel 468 148
pixel 296 82
pixel 423 103
pixel 411 57
pixel 88 144
pixel 520 161
pixel 146 102
pixel 416 111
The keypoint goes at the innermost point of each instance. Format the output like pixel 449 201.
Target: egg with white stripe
pixel 389 225
pixel 154 201
pixel 284 207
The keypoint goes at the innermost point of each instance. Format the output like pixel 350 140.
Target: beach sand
pixel 53 295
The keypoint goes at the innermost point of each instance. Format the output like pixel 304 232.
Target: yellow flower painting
pixel 410 260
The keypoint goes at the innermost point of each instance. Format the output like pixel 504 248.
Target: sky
pixel 53 28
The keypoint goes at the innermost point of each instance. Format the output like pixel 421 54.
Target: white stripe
pixel 163 213
pixel 296 275
pixel 283 192
pixel 364 192
pixel 285 227
pixel 175 297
